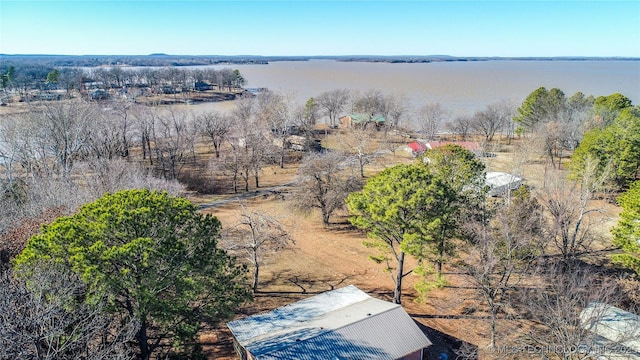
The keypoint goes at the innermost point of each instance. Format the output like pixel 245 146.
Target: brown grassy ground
pixel 325 258
pixel 328 258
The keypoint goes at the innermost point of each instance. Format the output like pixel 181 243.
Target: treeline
pixel 59 140
pixel 129 60
pixel 24 78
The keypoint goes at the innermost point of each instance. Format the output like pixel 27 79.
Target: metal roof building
pixel 362 119
pixel 617 332
pixel 500 183
pixel 340 324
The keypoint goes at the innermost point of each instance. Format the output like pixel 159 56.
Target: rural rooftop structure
pixel 362 120
pixel 617 332
pixel 501 183
pixel 339 324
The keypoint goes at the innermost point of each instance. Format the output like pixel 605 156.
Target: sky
pixel 321 27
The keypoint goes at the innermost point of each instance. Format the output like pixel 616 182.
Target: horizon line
pixel 350 55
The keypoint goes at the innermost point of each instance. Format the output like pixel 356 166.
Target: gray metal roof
pixel 340 324
pixel 614 324
pixel 500 182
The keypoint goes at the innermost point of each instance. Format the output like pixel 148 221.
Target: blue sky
pixel 308 27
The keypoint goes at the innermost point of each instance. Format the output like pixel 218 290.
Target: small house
pixel 362 120
pixel 93 85
pixel 340 324
pixel 98 94
pixel 202 86
pixel 416 147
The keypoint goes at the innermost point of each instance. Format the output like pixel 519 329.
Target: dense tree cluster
pixel 557 121
pixel 613 142
pixel 626 233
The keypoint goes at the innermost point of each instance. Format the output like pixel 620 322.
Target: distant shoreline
pixel 203 60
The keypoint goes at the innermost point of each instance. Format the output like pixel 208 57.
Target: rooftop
pixel 339 324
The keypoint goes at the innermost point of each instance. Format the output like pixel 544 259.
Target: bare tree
pixel 42 318
pixel 333 103
pixel 507 109
pixel 255 237
pixel 225 78
pixel 371 102
pixel 305 118
pixel 172 140
pixel 504 248
pixel 216 126
pixel 11 149
pixel 110 135
pixel 250 146
pixel 572 214
pixel 231 161
pixel 144 124
pixel 491 120
pixel 430 118
pixel 322 184
pixel 460 126
pixel 123 109
pixel 559 331
pixel 396 111
pixel 274 112
pixel 358 142
pixel 65 129
pixel 103 175
pixel 552 135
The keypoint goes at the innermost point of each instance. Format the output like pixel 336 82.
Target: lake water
pixel 462 87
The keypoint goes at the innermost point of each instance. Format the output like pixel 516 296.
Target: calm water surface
pixel 463 87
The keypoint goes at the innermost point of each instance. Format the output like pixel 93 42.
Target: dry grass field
pixel 325 258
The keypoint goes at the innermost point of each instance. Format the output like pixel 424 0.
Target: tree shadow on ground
pixel 447 345
pixel 309 284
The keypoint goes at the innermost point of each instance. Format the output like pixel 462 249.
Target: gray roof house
pixel 340 324
pixel 616 332
pixel 501 183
